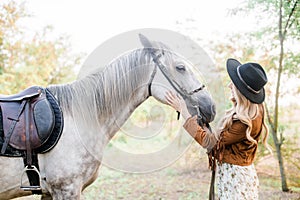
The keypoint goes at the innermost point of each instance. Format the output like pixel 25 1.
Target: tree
pixel 271 46
pixel 36 60
pixel 275 45
pixel 288 28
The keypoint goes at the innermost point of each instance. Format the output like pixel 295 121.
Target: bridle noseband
pixel 178 88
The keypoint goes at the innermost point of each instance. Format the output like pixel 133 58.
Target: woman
pixel 235 142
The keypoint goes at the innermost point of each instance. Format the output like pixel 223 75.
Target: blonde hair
pixel 245 111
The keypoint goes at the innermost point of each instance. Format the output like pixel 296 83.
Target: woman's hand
pixel 206 129
pixel 178 104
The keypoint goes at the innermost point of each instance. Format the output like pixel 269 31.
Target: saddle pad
pixel 58 126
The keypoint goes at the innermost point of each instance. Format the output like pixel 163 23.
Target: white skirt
pixel 237 182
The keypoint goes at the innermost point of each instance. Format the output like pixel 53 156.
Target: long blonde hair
pixel 245 111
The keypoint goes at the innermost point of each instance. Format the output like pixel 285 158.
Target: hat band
pixel 243 81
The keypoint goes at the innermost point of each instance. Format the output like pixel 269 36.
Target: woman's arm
pixel 203 136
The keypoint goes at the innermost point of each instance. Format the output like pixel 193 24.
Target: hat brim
pixel 231 66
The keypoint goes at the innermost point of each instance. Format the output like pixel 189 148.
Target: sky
pixel 89 22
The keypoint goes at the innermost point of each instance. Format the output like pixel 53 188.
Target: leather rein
pixel 186 95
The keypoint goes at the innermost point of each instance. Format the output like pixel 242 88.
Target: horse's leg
pixel 69 167
pixel 71 188
pixel 66 190
pixel 71 174
pixel 46 197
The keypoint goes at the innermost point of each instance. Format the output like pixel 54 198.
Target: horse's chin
pixel 207 113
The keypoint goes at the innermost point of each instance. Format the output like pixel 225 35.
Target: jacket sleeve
pixel 236 133
pixel 205 139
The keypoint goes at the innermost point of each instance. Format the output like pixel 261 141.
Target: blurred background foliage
pixel 31 60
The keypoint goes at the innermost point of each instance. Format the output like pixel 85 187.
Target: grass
pixel 186 179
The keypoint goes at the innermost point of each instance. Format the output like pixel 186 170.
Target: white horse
pixel 95 107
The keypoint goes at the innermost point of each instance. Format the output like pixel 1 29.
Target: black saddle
pixel 31 122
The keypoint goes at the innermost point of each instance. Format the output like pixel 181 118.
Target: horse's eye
pixel 180 68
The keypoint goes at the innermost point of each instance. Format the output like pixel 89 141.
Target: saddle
pixel 28 119
pixel 32 123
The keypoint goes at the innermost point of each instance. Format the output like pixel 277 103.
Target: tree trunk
pixel 280 161
pixel 278 142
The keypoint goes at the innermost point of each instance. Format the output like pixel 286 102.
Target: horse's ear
pixel 145 41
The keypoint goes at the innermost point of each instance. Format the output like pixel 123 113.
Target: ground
pixel 186 179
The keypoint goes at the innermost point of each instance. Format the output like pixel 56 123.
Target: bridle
pixel 178 88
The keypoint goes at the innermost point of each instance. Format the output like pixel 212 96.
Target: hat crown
pixel 253 76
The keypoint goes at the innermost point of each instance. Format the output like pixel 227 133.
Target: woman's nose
pixel 230 85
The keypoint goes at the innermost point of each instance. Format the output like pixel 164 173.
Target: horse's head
pixel 173 72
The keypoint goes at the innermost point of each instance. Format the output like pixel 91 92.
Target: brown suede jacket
pixel 233 147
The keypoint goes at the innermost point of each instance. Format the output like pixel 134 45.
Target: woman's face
pixel 233 95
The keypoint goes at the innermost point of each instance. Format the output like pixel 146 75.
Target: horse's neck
pixel 94 105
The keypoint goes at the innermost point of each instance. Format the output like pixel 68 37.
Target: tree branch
pixel 269 117
pixel 288 24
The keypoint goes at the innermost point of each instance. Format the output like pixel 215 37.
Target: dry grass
pixel 186 179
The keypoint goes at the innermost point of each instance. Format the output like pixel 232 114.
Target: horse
pixel 96 106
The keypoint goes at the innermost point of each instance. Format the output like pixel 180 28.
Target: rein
pixel 186 95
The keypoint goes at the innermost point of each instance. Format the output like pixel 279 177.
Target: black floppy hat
pixel 249 78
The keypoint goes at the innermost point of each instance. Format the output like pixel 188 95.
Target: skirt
pixel 237 182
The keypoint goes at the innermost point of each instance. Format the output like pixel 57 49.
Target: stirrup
pixel 30 187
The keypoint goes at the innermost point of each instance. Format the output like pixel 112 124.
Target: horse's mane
pixel 102 92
